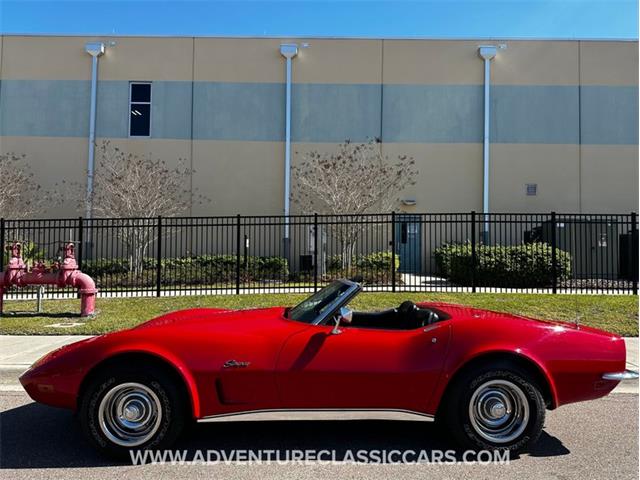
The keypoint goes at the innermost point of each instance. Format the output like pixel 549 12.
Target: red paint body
pixel 297 365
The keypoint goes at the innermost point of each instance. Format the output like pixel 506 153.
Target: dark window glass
pixel 140 92
pixel 140 120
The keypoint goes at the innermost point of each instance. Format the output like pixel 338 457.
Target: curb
pixel 9 377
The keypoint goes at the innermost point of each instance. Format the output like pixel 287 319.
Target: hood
pixel 219 319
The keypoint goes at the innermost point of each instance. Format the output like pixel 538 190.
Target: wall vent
pixel 532 189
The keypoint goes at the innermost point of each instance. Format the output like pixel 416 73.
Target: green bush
pixel 372 268
pixel 518 266
pixel 194 270
pixel 30 254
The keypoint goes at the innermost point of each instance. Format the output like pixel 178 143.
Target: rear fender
pixel 455 366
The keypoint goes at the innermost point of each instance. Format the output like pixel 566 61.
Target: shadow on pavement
pixel 37 436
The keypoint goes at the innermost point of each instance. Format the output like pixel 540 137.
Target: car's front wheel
pixel 495 407
pixel 128 408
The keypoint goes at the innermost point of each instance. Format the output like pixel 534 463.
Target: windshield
pixel 319 303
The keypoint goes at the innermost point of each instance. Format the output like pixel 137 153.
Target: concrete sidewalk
pixel 18 352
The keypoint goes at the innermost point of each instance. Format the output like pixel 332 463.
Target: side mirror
pixel 345 316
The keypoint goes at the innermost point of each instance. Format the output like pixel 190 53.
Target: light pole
pixel 96 50
pixel 288 51
pixel 487 53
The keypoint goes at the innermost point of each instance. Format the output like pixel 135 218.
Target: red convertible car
pixel 487 377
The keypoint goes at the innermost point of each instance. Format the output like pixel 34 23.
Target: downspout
pixel 288 51
pixel 95 50
pixel 487 52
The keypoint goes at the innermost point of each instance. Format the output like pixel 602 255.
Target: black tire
pixel 150 382
pixel 456 412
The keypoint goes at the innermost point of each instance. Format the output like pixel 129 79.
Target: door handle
pixel 235 364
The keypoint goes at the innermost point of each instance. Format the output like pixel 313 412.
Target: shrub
pixel 194 270
pixel 525 265
pixel 372 268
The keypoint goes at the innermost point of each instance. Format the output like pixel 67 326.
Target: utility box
pixel 306 263
pixel 592 243
pixel 628 248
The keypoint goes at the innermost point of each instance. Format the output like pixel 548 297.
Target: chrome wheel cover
pixel 499 411
pixel 130 414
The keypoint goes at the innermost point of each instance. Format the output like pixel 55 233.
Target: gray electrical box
pixel 592 243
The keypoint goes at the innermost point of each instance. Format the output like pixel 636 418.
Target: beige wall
pixel 536 63
pixel 259 60
pixel 449 176
pixel 554 168
pixel 609 178
pixel 239 177
pixel 247 177
pixel 148 59
pixel 609 63
pixel 431 62
pixel 52 160
pixel 64 58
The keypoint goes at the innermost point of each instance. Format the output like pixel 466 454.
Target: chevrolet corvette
pixel 487 378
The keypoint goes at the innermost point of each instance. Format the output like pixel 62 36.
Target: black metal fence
pixel 448 252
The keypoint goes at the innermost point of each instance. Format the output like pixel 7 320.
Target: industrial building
pixel 562 129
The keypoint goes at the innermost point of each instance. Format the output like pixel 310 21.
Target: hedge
pixel 372 268
pixel 195 270
pixel 521 266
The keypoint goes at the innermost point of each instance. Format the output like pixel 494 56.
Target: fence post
pixel 315 252
pixel 80 242
pixel 473 251
pixel 238 255
pixel 393 251
pixel 159 258
pixel 634 254
pixel 554 241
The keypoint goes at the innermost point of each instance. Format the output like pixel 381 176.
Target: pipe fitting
pixel 67 275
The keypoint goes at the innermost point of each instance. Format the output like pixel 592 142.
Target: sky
pixel 585 19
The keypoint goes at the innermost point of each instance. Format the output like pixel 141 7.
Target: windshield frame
pixel 352 290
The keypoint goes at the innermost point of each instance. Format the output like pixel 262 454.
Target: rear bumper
pixel 619 376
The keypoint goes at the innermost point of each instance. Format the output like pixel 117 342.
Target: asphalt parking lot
pixel 597 439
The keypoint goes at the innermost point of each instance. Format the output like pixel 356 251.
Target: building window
pixel 531 189
pixel 139 109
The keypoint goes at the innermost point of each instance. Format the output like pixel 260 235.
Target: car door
pixel 361 368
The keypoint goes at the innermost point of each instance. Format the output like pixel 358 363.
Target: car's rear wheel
pixel 494 407
pixel 128 409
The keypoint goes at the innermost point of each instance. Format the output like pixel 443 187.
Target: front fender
pixel 168 358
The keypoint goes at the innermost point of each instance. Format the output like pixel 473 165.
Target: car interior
pixel 405 317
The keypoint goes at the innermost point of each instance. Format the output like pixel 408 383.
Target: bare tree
pixel 137 189
pixel 20 194
pixel 127 185
pixel 355 179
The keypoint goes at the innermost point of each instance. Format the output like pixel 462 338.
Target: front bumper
pixel 619 376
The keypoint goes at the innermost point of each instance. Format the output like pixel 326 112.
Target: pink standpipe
pixel 62 275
